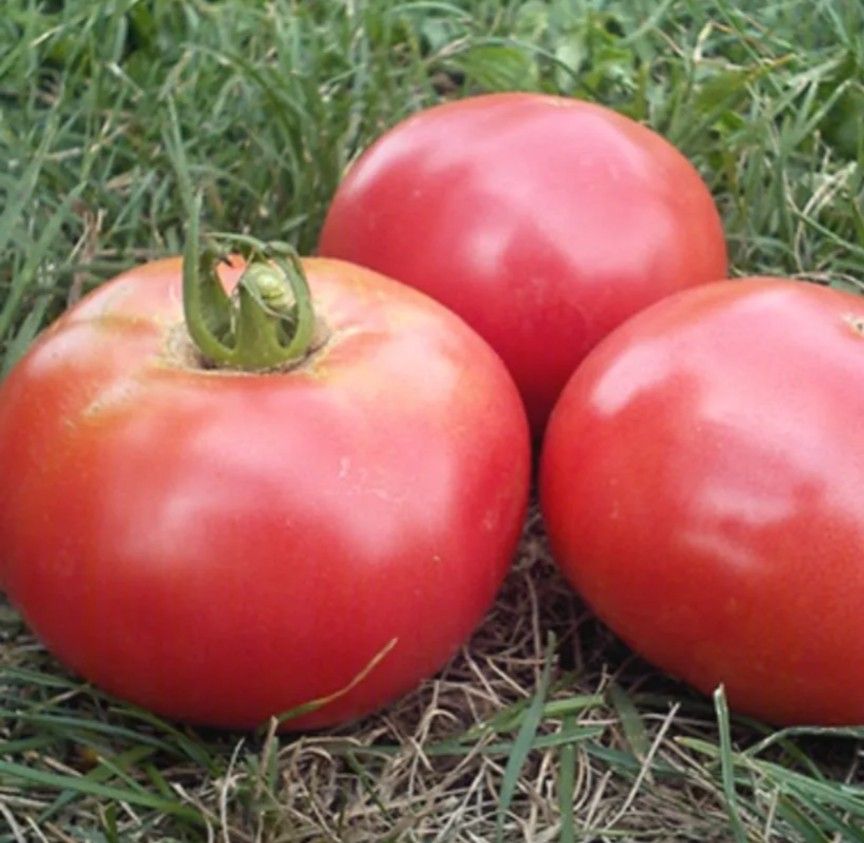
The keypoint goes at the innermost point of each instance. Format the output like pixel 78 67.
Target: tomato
pixel 702 483
pixel 223 546
pixel 544 222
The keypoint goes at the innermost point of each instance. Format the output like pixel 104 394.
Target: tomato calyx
pixel 267 323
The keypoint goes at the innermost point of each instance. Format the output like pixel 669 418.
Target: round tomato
pixel 544 222
pixel 222 546
pixel 702 483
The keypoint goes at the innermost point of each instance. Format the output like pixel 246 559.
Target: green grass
pixel 583 742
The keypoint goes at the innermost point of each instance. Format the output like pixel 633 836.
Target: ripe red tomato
pixel 702 483
pixel 544 222
pixel 222 546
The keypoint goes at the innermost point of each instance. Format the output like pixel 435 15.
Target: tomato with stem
pixel 308 491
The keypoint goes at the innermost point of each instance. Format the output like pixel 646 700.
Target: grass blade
pixel 567 784
pixel 631 721
pixel 524 741
pixel 727 767
pixel 80 784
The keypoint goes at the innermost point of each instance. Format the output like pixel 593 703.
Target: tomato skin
pixel 221 547
pixel 544 222
pixel 702 484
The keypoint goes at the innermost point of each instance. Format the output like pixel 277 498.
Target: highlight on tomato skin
pixel 221 545
pixel 543 221
pixel 702 485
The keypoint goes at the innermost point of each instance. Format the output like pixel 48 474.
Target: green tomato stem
pixel 267 324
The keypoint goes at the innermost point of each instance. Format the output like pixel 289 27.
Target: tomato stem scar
pixel 856 323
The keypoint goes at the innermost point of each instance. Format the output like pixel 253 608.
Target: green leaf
pixel 532 20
